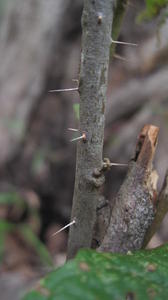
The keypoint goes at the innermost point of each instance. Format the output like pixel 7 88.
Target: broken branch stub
pixel 134 208
pixel 161 210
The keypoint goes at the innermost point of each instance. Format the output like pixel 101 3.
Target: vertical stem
pixel 97 25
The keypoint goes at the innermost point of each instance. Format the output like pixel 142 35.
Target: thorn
pixel 120 57
pixel 123 43
pixel 82 137
pixel 73 129
pixel 118 164
pixel 64 90
pixel 107 164
pixel 63 228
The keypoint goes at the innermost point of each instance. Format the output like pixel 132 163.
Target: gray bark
pixel 134 208
pixel 161 211
pixel 97 25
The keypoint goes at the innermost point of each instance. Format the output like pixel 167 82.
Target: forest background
pixel 40 45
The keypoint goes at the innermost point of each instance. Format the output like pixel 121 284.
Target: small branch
pixel 146 146
pixel 134 208
pixel 162 209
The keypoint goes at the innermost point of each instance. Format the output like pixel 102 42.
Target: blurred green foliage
pixel 153 8
pixel 9 198
pixel 13 198
pixel 5 227
pixel 38 161
pixel 35 296
pixel 32 239
pixel 76 107
pixel 105 276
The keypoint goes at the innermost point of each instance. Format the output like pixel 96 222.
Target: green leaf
pixel 35 296
pixel 105 276
pixel 76 110
pixel 35 242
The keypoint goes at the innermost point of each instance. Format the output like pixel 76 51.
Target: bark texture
pixel 97 25
pixel 134 208
pixel 162 209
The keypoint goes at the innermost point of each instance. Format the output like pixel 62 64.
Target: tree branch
pixel 134 208
pixel 162 209
pixel 96 23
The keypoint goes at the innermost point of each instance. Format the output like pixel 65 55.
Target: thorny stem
pixel 96 24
